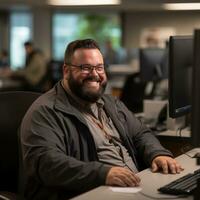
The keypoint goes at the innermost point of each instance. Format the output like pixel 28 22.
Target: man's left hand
pixel 166 164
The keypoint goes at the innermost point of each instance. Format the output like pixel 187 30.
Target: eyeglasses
pixel 87 68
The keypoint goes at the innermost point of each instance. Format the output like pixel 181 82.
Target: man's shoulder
pixel 111 101
pixel 109 97
pixel 45 100
pixel 114 102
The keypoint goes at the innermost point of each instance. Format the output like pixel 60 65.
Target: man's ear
pixel 65 71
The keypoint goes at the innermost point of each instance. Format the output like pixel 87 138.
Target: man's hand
pixel 119 176
pixel 166 164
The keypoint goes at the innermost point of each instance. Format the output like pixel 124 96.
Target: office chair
pixel 54 71
pixel 133 93
pixel 13 106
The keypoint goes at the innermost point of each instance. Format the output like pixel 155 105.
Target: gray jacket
pixel 59 153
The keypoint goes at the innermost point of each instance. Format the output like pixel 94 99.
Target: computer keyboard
pixel 184 185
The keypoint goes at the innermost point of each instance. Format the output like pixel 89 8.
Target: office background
pixel 135 16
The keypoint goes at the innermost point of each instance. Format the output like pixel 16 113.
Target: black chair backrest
pixel 13 106
pixel 133 93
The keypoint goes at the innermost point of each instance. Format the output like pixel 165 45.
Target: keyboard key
pixel 184 185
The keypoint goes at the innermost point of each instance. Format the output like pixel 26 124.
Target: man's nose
pixel 94 72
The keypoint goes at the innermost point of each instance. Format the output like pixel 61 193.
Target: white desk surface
pixel 9 83
pixel 184 133
pixel 150 182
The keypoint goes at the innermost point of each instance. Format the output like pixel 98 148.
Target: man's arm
pixel 47 158
pixel 148 146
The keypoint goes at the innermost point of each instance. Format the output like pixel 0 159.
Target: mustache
pixel 93 78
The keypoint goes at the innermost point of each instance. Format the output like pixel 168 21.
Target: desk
pixel 150 182
pixel 9 84
pixel 174 141
pixel 185 133
pixel 177 142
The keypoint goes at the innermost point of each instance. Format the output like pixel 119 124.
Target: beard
pixel 85 93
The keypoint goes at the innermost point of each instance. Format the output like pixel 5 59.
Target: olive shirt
pixel 109 147
pixel 34 71
pixel 59 152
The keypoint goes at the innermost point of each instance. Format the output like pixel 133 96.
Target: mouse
pixel 196 155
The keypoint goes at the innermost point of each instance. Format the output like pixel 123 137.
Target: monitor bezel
pixel 150 76
pixel 195 125
pixel 184 110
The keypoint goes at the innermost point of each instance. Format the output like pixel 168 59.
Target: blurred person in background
pixel 4 59
pixel 110 55
pixel 33 74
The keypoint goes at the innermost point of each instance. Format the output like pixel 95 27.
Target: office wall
pixel 42 30
pixel 4 30
pixel 133 23
pixel 182 21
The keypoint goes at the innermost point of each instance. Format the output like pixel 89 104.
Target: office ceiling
pixel 136 5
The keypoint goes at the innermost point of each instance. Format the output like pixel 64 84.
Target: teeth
pixel 92 83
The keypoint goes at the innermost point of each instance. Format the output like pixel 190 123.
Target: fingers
pixel 119 176
pixel 118 182
pixel 127 177
pixel 154 167
pixel 164 166
pixel 160 164
pixel 167 164
pixel 174 167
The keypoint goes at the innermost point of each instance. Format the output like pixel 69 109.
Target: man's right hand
pixel 119 176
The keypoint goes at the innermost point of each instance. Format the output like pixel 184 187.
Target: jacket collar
pixel 61 101
pixel 62 104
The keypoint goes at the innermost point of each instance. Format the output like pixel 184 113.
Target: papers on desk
pixel 126 189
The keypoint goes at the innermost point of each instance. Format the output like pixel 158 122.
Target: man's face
pixel 87 86
pixel 28 49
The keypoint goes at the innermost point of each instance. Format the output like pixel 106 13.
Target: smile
pixel 92 83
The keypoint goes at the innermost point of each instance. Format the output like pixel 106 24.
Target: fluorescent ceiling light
pixel 83 2
pixel 181 6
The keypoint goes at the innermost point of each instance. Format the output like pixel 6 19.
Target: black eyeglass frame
pixel 87 68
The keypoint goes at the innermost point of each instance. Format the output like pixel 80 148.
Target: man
pixel 75 138
pixel 34 71
pixel 110 55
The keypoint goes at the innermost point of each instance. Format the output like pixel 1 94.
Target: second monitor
pixel 180 75
pixel 153 66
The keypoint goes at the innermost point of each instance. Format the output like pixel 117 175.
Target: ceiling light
pixel 181 6
pixel 83 2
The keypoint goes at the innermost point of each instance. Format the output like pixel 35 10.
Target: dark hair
pixel 28 43
pixel 78 44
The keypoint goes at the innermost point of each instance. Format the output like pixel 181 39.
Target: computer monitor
pixel 195 123
pixel 151 64
pixel 55 70
pixel 180 75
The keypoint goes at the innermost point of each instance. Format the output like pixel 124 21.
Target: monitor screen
pixel 55 70
pixel 152 64
pixel 180 75
pixel 195 125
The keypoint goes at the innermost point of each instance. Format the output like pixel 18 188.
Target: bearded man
pixel 75 138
